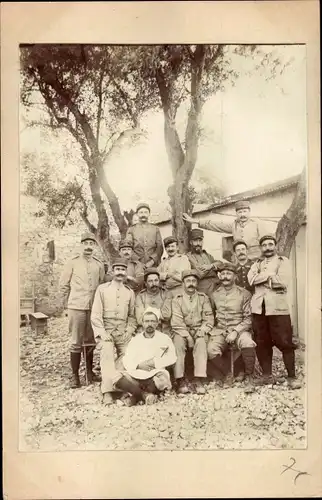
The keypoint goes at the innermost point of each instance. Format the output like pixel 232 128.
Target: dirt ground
pixel 54 417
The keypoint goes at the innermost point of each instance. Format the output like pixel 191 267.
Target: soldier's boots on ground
pixel 249 356
pixel 91 376
pixel 75 358
pixel 199 386
pixel 181 386
pixel 293 383
pixel 108 398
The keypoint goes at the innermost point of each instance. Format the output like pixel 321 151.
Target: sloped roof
pixel 245 195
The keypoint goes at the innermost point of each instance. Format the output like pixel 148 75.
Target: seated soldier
pixel 135 270
pixel 191 321
pixel 172 266
pixel 232 323
pixel 146 360
pixel 152 296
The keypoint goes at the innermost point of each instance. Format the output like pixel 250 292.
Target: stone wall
pixel 38 273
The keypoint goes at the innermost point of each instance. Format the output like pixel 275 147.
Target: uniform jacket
pixel 171 269
pixel 250 232
pixel 232 309
pixel 145 299
pixel 147 242
pixel 79 281
pixel 160 347
pixel 113 311
pixel 192 315
pixel 209 279
pixel 241 275
pixel 273 291
pixel 135 270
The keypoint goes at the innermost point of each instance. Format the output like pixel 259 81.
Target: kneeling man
pixel 233 321
pixel 146 358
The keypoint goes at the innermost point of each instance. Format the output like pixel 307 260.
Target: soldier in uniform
pixel 146 238
pixel 233 321
pixel 243 265
pixel 192 321
pixel 172 266
pixel 113 321
pixel 204 263
pixel 242 228
pixel 270 308
pixel 153 296
pixel 135 270
pixel 80 278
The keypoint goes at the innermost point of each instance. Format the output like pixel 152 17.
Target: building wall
pixel 264 207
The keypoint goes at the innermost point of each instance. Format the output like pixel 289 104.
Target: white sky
pixel 258 133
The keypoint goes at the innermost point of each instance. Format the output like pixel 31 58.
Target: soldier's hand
pixel 147 365
pixel 231 337
pixel 206 267
pixel 150 263
pixel 190 342
pixel 187 218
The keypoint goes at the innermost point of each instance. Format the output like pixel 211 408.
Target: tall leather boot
pixel 91 376
pixel 75 358
pixel 248 355
pixel 289 362
pixel 219 364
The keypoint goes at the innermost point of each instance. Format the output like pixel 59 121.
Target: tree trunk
pixel 180 203
pixel 292 220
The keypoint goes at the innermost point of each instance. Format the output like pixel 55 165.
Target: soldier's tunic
pixel 170 271
pixel 209 280
pixel 147 242
pixel 113 321
pixel 249 231
pixel 134 270
pixel 232 312
pixel 191 315
pixel 79 281
pixel 241 275
pixel 160 301
pixel 271 313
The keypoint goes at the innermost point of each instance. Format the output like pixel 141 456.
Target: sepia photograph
pixel 162 247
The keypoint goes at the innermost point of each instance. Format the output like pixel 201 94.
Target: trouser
pixel 217 345
pixel 111 361
pixel 80 329
pixel 199 352
pixel 269 331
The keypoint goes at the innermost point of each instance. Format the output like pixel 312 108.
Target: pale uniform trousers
pixel 170 270
pixel 191 315
pixel 232 311
pixel 249 231
pixel 79 281
pixel 209 280
pixel 113 321
pixel 147 242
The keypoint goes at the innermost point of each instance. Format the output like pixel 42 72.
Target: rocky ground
pixel 53 417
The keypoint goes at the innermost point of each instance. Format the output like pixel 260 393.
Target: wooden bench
pixel 27 307
pixel 38 322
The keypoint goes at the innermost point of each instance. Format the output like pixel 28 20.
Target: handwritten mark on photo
pixel 290 467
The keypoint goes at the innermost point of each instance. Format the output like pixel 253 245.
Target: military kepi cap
pixel 195 234
pixel 267 237
pixel 88 236
pixel 242 204
pixel 227 266
pixel 169 239
pixel 125 244
pixel 119 262
pixel 239 242
pixel 151 270
pixel 190 272
pixel 143 205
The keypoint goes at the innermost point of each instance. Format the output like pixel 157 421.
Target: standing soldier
pixel 271 316
pixel 153 296
pixel 171 267
pixel 243 265
pixel 113 321
pixel 242 228
pixel 79 280
pixel 135 270
pixel 204 263
pixel 233 321
pixel 146 238
pixel 191 321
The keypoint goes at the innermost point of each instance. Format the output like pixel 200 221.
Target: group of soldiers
pixel 146 313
